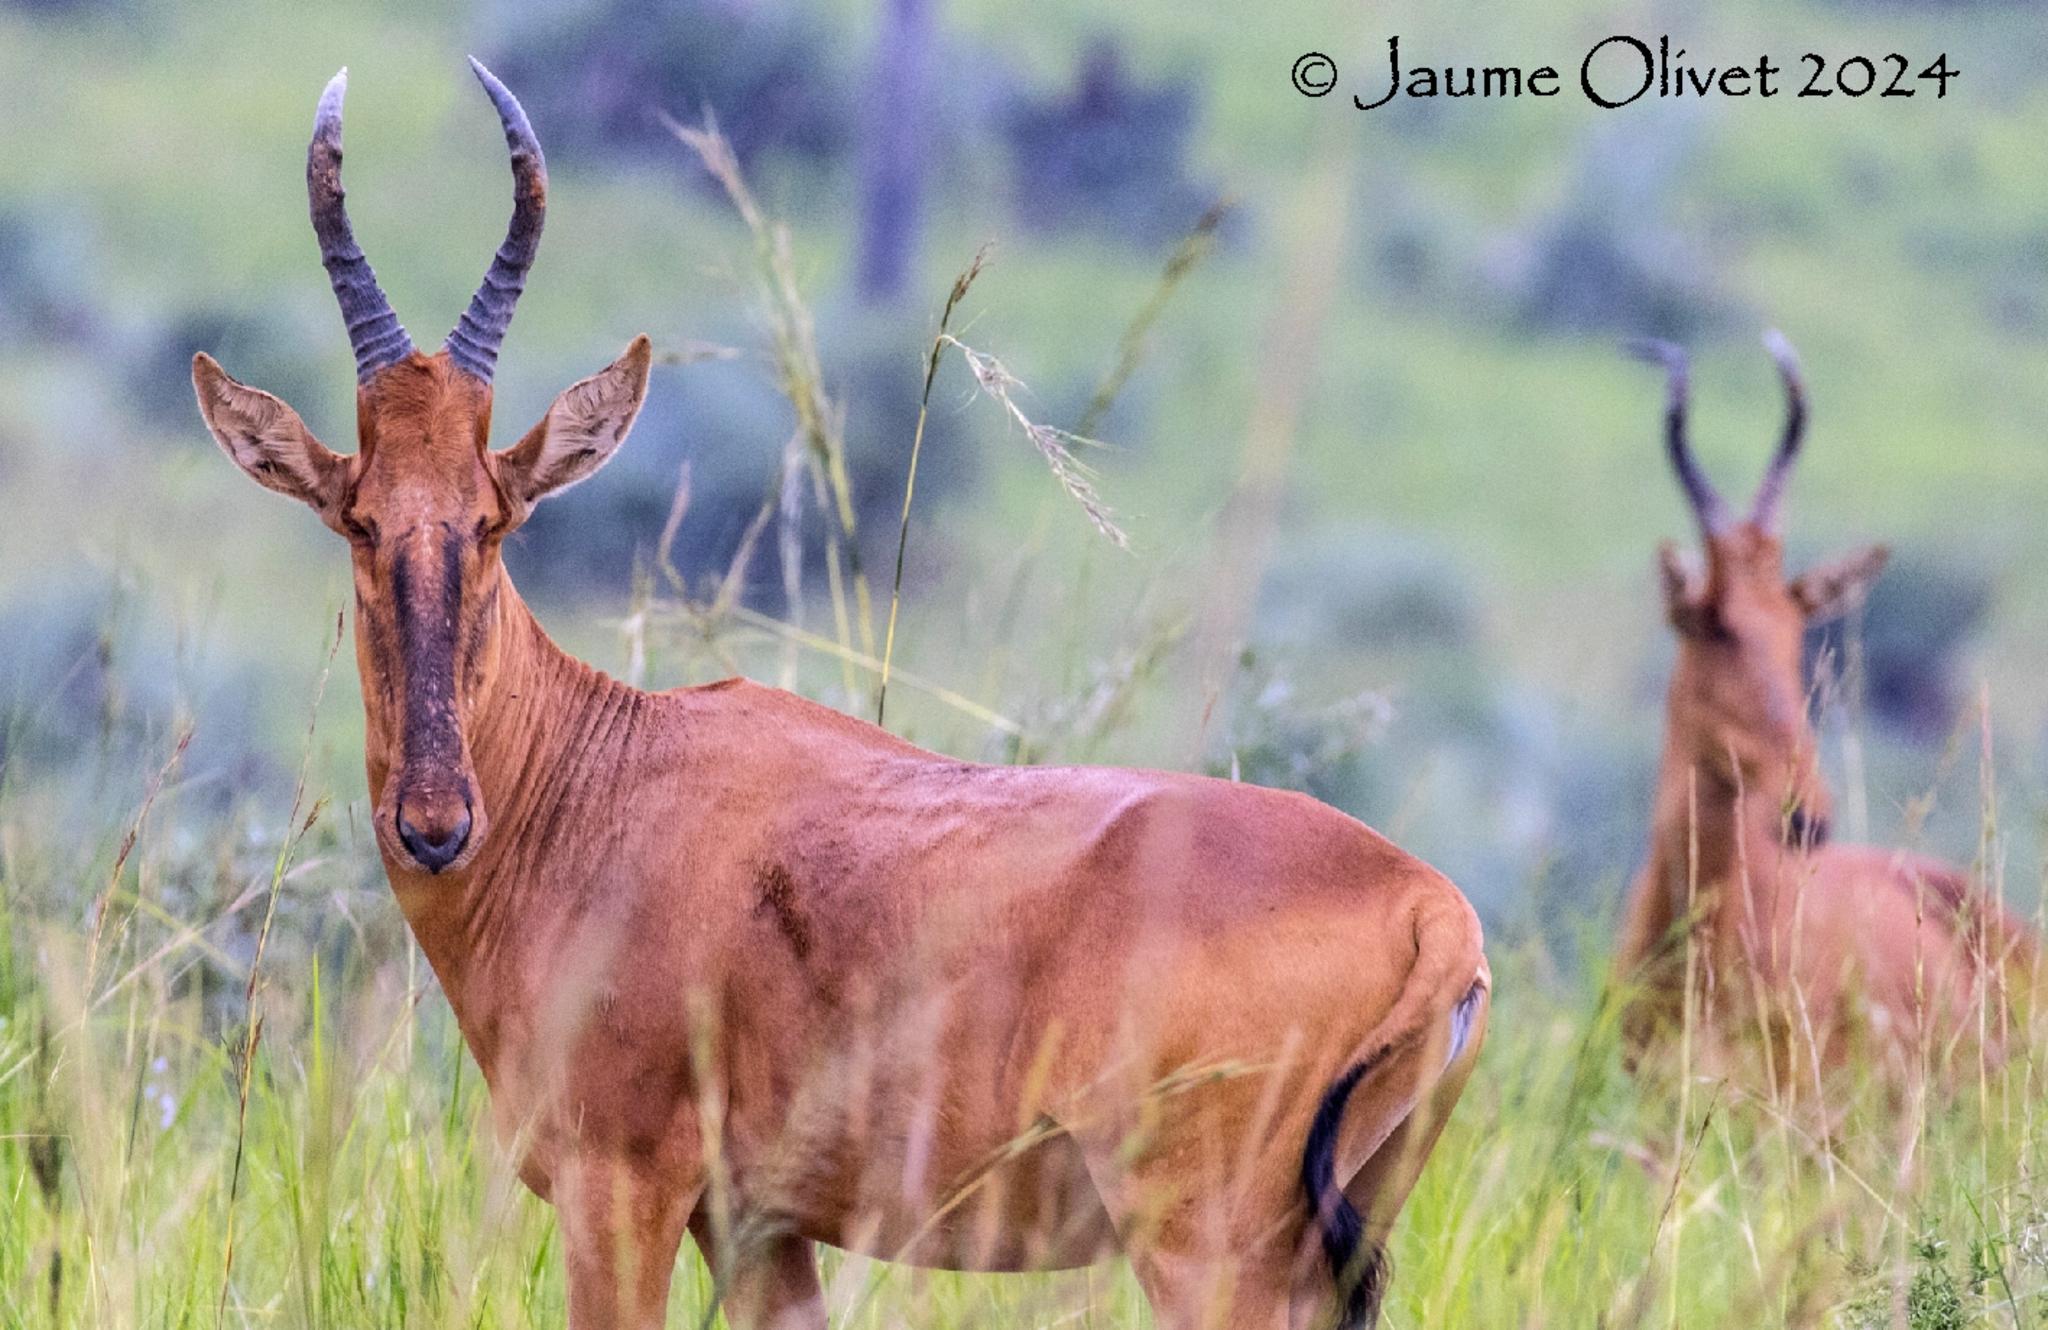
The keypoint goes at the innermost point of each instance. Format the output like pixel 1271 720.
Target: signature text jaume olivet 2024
pixel 1621 71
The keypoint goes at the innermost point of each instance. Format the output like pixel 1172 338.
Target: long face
pixel 424 502
pixel 1740 713
pixel 424 516
pixel 1738 700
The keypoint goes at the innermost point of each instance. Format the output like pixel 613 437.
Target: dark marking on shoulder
pixel 775 893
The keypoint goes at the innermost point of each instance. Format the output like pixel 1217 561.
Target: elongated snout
pixel 434 831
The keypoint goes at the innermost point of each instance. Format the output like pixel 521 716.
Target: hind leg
pixel 1212 1222
pixel 1248 1256
pixel 1279 1284
pixel 1198 1287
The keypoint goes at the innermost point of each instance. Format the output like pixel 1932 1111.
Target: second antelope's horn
pixel 1707 507
pixel 1765 511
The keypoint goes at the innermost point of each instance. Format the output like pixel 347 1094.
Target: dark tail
pixel 1358 1264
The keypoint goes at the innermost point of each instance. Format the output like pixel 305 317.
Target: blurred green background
pixel 1391 489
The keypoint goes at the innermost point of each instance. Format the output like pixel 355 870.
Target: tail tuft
pixel 1358 1264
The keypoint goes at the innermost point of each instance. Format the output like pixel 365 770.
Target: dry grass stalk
pixel 693 352
pixel 1054 444
pixel 1085 716
pixel 1302 310
pixel 961 285
pixel 711 622
pixel 1195 246
pixel 959 702
pixel 295 832
pixel 105 902
pixel 819 438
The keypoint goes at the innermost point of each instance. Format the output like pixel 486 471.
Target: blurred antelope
pixel 734 963
pixel 1817 946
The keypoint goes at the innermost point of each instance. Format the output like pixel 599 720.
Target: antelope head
pixel 424 502
pixel 1738 704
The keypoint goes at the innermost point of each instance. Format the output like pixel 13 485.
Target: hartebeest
pixel 1811 945
pixel 733 962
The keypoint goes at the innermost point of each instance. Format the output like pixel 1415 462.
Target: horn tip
pixel 510 112
pixel 1780 347
pixel 492 83
pixel 327 118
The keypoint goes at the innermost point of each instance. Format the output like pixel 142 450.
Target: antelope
pixel 736 964
pixel 1819 948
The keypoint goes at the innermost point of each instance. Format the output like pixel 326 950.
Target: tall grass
pixel 370 1192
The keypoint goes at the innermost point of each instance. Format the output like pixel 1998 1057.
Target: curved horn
pixel 1706 504
pixel 1765 511
pixel 373 330
pixel 473 346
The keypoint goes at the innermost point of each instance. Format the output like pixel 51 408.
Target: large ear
pixel 1838 586
pixel 266 438
pixel 581 430
pixel 1685 593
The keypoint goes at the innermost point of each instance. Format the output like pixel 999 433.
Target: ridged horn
pixel 373 329
pixel 473 346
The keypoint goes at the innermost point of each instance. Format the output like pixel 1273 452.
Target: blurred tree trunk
pixel 893 148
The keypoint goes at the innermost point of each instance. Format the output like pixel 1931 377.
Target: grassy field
pixel 1391 543
pixel 311 1147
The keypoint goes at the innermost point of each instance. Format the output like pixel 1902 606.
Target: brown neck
pixel 538 724
pixel 1713 849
